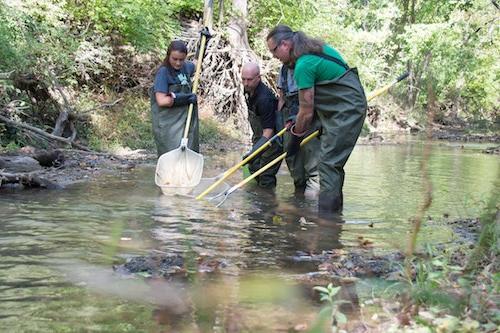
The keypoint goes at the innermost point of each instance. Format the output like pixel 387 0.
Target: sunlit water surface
pixel 57 248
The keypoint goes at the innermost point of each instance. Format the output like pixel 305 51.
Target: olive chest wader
pixel 303 166
pixel 268 178
pixel 341 107
pixel 169 122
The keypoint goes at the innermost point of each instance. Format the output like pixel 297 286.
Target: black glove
pixel 293 145
pixel 204 32
pixel 184 99
pixel 320 129
pixel 290 121
pixel 262 141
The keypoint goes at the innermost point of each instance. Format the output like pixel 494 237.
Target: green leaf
pixel 319 323
pixel 334 291
pixel 341 318
pixel 321 289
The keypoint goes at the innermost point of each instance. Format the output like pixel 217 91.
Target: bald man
pixel 262 107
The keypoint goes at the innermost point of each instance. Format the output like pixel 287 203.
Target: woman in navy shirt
pixel 170 99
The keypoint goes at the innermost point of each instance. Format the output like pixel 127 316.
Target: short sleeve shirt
pixel 311 69
pixel 264 104
pixel 167 76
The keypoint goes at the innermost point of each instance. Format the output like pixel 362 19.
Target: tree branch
pixel 43 133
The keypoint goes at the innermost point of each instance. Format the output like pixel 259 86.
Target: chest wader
pixel 341 107
pixel 268 178
pixel 303 166
pixel 169 123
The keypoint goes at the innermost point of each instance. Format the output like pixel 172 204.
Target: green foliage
pixel 127 125
pixel 144 24
pixel 12 146
pixel 461 64
pixel 132 21
pixel 266 14
pixel 74 40
pixel 461 36
pixel 331 312
pixel 210 131
pixel 8 44
pixel 38 40
pixel 490 231
pixel 431 285
pixel 187 8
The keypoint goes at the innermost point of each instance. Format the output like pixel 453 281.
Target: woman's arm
pixel 164 99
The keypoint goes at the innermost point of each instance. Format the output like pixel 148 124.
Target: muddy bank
pixel 31 167
pixel 393 127
pixel 23 168
pixel 362 262
pixel 461 135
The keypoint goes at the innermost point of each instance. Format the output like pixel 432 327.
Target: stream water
pixel 58 247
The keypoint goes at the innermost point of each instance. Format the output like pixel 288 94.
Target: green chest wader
pixel 341 107
pixel 303 166
pixel 169 123
pixel 268 178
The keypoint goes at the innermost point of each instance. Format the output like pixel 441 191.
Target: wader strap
pixel 284 75
pixel 328 57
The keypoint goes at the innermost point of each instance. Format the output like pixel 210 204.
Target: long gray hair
pixel 302 44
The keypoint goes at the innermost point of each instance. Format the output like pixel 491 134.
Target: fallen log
pixel 29 180
pixel 19 164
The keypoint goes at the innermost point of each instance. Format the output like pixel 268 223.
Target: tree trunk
pixel 221 13
pixel 238 39
pixel 237 31
pixel 208 13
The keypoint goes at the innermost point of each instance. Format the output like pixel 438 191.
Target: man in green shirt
pixel 331 90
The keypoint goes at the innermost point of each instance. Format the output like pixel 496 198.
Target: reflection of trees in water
pixel 260 234
pixel 197 229
pixel 280 228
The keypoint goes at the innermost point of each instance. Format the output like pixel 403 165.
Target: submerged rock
pixel 167 265
pixel 154 265
pixel 358 263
